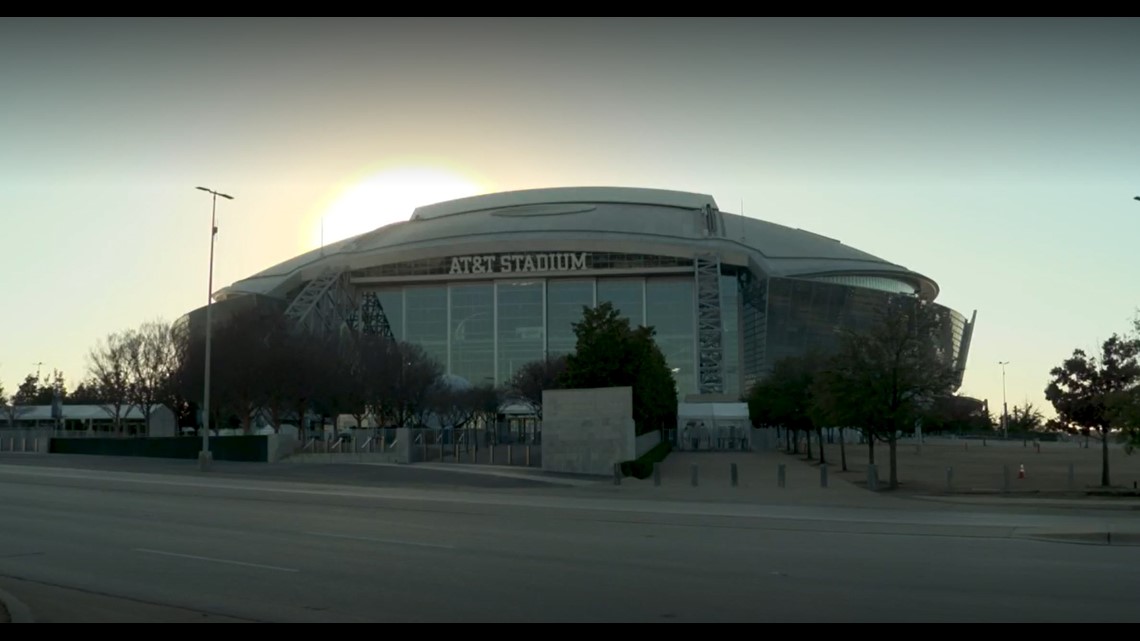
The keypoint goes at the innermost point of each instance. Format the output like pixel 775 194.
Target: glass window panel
pixel 670 310
pixel 521 328
pixel 564 302
pixel 426 318
pixel 473 332
pixel 392 300
pixel 626 295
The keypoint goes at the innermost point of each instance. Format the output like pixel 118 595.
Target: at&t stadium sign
pixel 512 263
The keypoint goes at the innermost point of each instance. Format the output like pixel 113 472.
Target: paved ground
pixel 978 467
pixel 83 545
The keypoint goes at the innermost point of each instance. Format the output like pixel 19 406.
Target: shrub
pixel 642 468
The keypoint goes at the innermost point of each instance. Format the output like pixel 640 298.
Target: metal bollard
pixel 455 452
pixel 617 473
pixel 528 454
pixel 735 475
pixel 510 454
pixel 492 450
pixel 949 479
pixel 656 475
pixel 823 475
pixel 694 475
pixel 873 478
pixel 1005 478
pixel 781 475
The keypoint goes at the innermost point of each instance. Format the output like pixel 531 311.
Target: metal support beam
pixel 710 327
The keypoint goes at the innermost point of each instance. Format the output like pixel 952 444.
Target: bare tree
pixel 110 372
pixel 11 407
pixel 530 379
pixel 152 353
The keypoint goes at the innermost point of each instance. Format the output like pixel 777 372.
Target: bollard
pixel 656 475
pixel 781 476
pixel 694 475
pixel 735 477
pixel 1005 478
pixel 949 479
pixel 983 442
pixel 823 475
pixel 510 454
pixel 455 452
pixel 1072 476
pixel 617 473
pixel 528 454
pixel 492 451
pixel 873 478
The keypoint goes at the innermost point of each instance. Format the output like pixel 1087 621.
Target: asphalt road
pixel 98 545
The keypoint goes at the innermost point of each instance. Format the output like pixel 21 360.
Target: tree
pixel 152 358
pixel 886 377
pixel 530 379
pixel 109 370
pixel 609 353
pixel 1025 418
pixel 1084 388
pixel 785 398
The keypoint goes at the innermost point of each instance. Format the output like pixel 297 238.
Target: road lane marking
pixel 370 539
pixel 213 560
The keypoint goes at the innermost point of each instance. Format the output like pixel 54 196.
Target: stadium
pixel 489 283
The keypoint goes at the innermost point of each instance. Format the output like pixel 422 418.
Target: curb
pixel 1085 538
pixel 17 611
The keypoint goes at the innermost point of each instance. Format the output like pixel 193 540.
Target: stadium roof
pixel 598 219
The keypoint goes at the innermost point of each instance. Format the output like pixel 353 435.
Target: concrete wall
pixel 280 446
pixel 586 431
pixel 646 442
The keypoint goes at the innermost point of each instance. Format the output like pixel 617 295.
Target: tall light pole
pixel 1004 409
pixel 204 456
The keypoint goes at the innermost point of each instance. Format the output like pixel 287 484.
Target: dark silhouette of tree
pixel 785 398
pixel 886 377
pixel 530 379
pixel 609 353
pixel 1084 387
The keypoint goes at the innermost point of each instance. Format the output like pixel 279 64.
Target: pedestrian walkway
pixel 758 480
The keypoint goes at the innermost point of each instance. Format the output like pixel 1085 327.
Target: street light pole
pixel 204 457
pixel 1004 409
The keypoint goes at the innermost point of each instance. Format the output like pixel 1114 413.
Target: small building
pixel 93 420
pixel 713 426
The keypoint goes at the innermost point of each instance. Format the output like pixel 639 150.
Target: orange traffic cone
pixel 1021 472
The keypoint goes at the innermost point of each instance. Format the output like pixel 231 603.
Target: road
pixel 100 545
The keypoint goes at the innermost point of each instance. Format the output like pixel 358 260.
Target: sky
pixel 997 156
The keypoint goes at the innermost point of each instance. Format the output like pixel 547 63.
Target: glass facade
pixel 473 332
pixel 483 331
pixel 564 302
pixel 670 308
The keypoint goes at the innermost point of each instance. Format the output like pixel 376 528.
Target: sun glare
pixel 387 197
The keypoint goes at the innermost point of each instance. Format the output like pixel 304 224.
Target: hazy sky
pixel 997 156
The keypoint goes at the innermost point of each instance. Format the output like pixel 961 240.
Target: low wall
pixel 279 446
pixel 224 448
pixel 586 431
pixel 346 457
pixel 648 441
pixel 24 441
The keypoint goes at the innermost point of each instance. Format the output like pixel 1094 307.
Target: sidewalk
pixel 757 482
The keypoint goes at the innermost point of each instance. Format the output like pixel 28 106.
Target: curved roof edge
pixel 560 195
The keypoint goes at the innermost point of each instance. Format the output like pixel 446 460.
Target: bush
pixel 642 468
